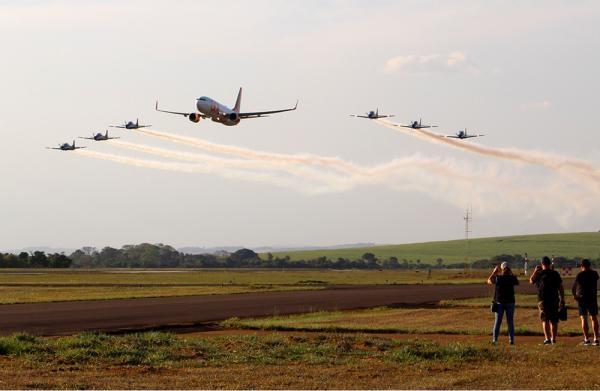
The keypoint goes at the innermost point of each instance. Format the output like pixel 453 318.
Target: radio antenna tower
pixel 468 218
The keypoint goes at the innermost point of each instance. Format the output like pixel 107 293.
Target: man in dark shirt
pixel 585 292
pixel 551 296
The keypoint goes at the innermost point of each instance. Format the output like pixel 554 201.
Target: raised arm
pixel 533 278
pixel 490 279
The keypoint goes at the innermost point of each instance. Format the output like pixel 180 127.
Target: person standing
pixel 585 292
pixel 504 297
pixel 551 297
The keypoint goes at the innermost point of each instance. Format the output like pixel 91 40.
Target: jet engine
pixel 233 117
pixel 194 117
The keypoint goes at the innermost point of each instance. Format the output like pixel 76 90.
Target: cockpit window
pixel 202 98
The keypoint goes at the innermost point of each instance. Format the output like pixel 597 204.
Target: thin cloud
pixel 536 106
pixel 430 63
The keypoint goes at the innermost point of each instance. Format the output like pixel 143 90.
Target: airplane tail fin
pixel 137 122
pixel 238 102
pixel 377 112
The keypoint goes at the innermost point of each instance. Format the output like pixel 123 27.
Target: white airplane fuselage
pixel 216 111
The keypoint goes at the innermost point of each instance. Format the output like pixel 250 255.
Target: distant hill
pixel 582 244
pixel 208 250
pixel 311 248
pixel 266 249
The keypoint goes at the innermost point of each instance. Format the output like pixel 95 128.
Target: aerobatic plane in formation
pixel 100 137
pixel 418 125
pixel 371 115
pixel 217 112
pixel 462 134
pixel 66 147
pixel 131 125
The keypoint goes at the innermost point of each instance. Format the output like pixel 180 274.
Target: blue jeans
pixel 509 308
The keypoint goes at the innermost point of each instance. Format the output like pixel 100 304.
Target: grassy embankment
pixel 583 244
pixel 159 360
pixel 43 285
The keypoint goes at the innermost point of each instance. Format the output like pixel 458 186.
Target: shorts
pixel 548 311
pixel 588 308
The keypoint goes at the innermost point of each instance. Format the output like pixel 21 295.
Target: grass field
pixel 441 347
pixel 584 244
pixel 43 285
pixel 223 277
pixel 453 320
pixel 39 294
pixel 275 361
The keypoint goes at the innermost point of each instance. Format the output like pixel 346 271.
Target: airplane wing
pixel 53 148
pixel 258 114
pixel 386 116
pixel 358 116
pixel 117 126
pixel 87 138
pixel 143 126
pixel 113 138
pixel 170 112
pixel 454 137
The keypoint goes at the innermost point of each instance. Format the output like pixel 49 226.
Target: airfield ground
pixel 426 333
pixel 44 285
pixel 362 352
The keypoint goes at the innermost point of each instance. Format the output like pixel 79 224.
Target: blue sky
pixel 523 73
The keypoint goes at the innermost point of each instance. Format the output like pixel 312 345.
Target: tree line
pixel 34 260
pixel 147 255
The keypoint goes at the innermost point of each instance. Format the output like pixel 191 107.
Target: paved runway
pixel 140 314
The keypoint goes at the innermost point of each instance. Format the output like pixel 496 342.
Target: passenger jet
pixel 217 112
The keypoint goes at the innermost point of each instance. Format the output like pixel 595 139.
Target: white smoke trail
pixel 563 165
pixel 371 174
pixel 407 174
pixel 270 178
pixel 359 175
pixel 331 162
pixel 295 169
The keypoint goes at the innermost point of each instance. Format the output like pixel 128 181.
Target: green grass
pixel 157 349
pixel 41 294
pixel 232 277
pixel 287 361
pixel 470 320
pixel 523 301
pixel 584 244
pixel 46 285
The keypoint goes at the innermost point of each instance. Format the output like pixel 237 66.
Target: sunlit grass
pixel 39 294
pixel 469 321
pixel 236 277
pixel 278 361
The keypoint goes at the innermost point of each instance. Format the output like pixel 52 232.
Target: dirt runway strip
pixel 62 318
